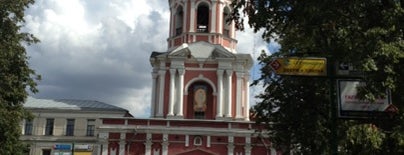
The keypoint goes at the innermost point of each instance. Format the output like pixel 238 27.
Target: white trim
pixel 199 78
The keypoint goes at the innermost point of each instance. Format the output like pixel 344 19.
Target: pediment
pixel 197 152
pixel 201 50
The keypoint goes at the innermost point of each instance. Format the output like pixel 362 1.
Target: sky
pixel 99 50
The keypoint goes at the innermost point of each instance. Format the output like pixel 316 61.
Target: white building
pixel 61 125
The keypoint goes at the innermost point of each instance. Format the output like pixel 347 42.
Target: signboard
pixel 350 105
pixel 347 70
pixel 62 147
pixel 300 66
pixel 83 147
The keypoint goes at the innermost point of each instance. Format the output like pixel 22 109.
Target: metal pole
pixel 333 108
pixel 73 148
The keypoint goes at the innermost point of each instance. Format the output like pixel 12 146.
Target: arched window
pixel 200 92
pixel 198 141
pixel 226 22
pixel 203 18
pixel 179 20
pixel 200 101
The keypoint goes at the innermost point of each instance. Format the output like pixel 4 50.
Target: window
pixel 200 101
pixel 28 127
pixel 46 152
pixel 226 22
pixel 203 18
pixel 179 19
pixel 90 127
pixel 49 126
pixel 70 127
pixel 198 141
pixel 199 115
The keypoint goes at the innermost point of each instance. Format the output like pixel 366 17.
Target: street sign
pixel 351 106
pixel 347 70
pixel 300 66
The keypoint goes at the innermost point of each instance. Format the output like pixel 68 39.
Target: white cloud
pixel 100 50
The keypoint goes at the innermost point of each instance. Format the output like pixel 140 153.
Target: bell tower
pixel 200 76
pixel 201 20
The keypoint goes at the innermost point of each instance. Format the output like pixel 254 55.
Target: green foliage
pixel 367 33
pixel 15 74
pixel 363 139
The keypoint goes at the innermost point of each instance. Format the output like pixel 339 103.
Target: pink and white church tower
pixel 200 92
pixel 201 76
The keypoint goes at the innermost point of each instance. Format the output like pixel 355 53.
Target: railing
pixel 202 28
pixel 178 31
pixel 226 32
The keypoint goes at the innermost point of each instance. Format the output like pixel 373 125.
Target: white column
pixel 230 146
pixel 180 90
pixel 122 143
pixel 247 98
pixel 213 19
pixel 220 20
pixel 219 93
pixel 148 144
pixel 153 97
pixel 162 76
pixel 192 17
pixel 165 144
pixel 186 140
pixel 207 141
pixel 172 23
pixel 185 17
pixel 239 95
pixel 172 93
pixel 229 93
pixel 247 147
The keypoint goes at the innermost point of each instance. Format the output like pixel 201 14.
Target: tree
pixel 15 74
pixel 368 34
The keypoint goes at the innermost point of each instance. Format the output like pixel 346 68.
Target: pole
pixel 333 108
pixel 73 148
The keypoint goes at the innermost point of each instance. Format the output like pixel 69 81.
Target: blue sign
pixel 62 147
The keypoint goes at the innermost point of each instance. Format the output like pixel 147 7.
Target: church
pixel 200 92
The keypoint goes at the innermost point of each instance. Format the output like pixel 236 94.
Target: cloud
pixel 100 50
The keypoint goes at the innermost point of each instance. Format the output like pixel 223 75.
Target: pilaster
pixel 161 93
pixel 219 93
pixel 154 96
pixel 180 87
pixel 213 20
pixel 148 144
pixel 122 143
pixel 230 145
pixel 192 17
pixel 239 95
pixel 247 97
pixel 165 144
pixel 172 92
pixel 229 93
pixel 247 147
pixel 103 137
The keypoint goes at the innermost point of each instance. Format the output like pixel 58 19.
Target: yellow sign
pixel 300 66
